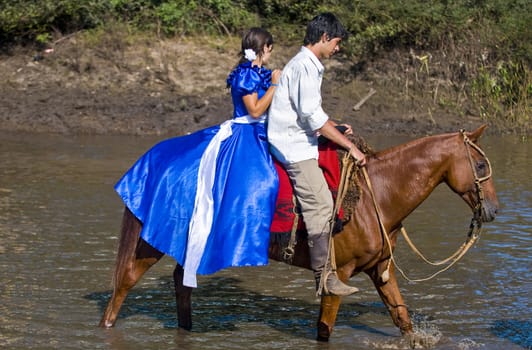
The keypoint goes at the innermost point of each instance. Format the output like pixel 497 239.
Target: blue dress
pixel 208 198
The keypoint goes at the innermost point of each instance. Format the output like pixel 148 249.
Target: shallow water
pixel 59 224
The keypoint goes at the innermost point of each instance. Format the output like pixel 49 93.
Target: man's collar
pixel 313 57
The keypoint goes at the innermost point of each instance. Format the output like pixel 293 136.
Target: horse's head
pixel 469 175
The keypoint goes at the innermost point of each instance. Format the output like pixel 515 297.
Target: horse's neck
pixel 406 175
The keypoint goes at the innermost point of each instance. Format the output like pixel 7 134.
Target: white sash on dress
pixel 202 216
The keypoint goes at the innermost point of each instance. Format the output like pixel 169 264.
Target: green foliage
pixel 501 83
pixel 138 13
pixel 203 17
pixel 30 19
pixel 375 25
pixel 503 92
pixel 43 38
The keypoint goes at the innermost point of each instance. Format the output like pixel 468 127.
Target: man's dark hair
pixel 325 23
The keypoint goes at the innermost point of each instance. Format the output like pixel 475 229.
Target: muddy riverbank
pixel 172 87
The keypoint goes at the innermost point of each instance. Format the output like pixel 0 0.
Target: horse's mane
pixel 352 194
pixel 361 144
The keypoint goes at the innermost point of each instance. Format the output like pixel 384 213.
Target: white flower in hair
pixel 249 54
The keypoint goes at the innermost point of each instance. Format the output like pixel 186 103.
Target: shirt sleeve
pixel 305 93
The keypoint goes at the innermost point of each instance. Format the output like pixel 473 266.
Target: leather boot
pixel 319 245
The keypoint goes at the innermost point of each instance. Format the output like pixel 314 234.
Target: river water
pixel 59 225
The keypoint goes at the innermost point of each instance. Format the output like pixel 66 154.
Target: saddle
pixel 286 207
pixel 329 161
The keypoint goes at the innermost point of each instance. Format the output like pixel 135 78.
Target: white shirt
pixel 295 113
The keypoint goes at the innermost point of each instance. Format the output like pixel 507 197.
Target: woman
pixel 208 198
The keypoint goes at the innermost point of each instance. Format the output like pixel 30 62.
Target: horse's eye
pixel 481 168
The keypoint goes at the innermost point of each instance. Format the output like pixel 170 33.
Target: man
pixel 295 120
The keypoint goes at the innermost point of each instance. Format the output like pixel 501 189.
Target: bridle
pixel 477 211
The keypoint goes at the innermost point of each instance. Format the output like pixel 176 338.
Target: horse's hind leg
pixel 183 299
pixel 146 257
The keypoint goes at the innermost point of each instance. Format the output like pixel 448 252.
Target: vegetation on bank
pixel 487 44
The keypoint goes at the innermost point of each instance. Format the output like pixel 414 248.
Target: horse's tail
pixel 129 237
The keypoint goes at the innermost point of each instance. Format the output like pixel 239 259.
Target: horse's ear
pixel 475 135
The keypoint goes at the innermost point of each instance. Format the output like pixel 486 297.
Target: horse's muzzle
pixel 489 211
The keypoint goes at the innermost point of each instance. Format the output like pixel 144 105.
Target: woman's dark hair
pixel 325 23
pixel 255 38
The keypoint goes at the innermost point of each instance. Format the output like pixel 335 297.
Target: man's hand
pixel 360 158
pixel 348 130
pixel 329 131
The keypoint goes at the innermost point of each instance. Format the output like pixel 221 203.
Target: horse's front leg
pixel 183 299
pixel 146 257
pixel 392 298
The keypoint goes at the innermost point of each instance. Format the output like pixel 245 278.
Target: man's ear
pixel 324 38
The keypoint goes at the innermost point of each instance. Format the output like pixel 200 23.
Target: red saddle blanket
pixel 283 218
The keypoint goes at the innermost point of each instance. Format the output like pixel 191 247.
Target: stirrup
pixel 323 290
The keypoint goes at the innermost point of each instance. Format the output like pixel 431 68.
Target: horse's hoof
pixel 324 332
pixel 106 324
pixel 185 326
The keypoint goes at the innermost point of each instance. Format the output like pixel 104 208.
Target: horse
pixel 403 177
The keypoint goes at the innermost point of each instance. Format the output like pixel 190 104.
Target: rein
pixel 474 228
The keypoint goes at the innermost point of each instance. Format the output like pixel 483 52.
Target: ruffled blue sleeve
pixel 246 79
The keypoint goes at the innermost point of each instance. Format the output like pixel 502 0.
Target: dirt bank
pixel 177 86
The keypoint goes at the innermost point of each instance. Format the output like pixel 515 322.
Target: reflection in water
pixel 59 221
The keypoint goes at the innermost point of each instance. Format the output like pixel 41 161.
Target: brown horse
pixel 402 176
